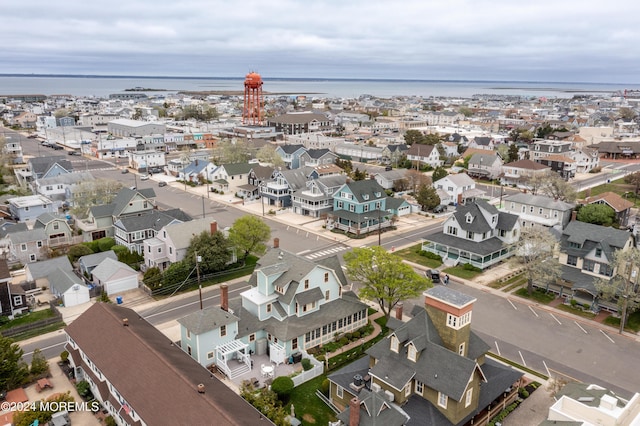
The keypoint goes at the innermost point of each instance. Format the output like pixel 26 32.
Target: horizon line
pixel 39 75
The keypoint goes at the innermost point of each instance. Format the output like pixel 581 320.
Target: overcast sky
pixel 520 40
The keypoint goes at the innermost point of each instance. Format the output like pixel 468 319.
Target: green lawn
pixel 411 254
pixel 308 407
pixel 538 295
pixel 632 325
pixel 39 331
pixel 576 311
pixel 459 271
pixel 617 186
pixel 28 318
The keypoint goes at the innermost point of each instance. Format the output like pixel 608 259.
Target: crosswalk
pixel 327 252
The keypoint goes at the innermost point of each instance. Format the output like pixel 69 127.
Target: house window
pixel 524 209
pixel 470 235
pixel 395 344
pixel 469 218
pixel 588 265
pixel 469 397
pixel 572 260
pixel 598 252
pixel 461 349
pixel 149 249
pixel 352 208
pixel 452 230
pixel 252 337
pixel 513 206
pixel 294 344
pixel 419 387
pixel 327 295
pixel 442 400
pixel 17 300
pixel 412 353
pixel 170 250
pixel 188 334
pixel 23 247
pixel 159 249
pixel 39 244
pixel 223 330
pixel 189 349
pixel 56 226
pixel 339 393
pixel 306 284
pixel 32 257
pixel 539 211
pixel 326 277
pixel 209 355
pixel 407 390
pixel 531 209
pixel 268 307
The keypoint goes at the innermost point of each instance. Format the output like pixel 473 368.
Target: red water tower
pixel 252 112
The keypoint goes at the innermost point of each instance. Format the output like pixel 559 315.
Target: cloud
pixel 566 40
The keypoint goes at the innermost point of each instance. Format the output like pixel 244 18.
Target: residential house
pixel 394 153
pixel 60 189
pixel 544 148
pixel 517 173
pixel 128 202
pixel 27 246
pixel 586 159
pixel 114 276
pixel 132 231
pixel 477 233
pixel 538 210
pixel 291 155
pixel 258 174
pixel 57 230
pixel 317 157
pixel 43 168
pixel 171 243
pixel 487 166
pixel 586 255
pixel 13 298
pixel 484 143
pixel 456 189
pixel 358 152
pixel 157 374
pixel 29 207
pixel 295 123
pixel 68 288
pixel 450 149
pixel 231 177
pixel 87 263
pixel 25 119
pixel 424 155
pixel 147 160
pixel 589 404
pixel 294 304
pixel 198 171
pixel 392 179
pixel 360 207
pixel 431 370
pixel 316 198
pixel 278 191
pixel 621 206
pixel 561 164
pixel 7 228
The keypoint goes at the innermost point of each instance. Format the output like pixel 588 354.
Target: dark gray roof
pixel 62 280
pixel 94 259
pixel 589 236
pixel 290 149
pixel 207 319
pixel 481 248
pixel 40 165
pixel 104 210
pixel 153 219
pixel 125 195
pixel 317 153
pixel 366 190
pixel 10 227
pixel 309 296
pixel 375 410
pixel 237 168
pixel 333 263
pixel 540 201
pixel 43 219
pixel 580 280
pixel 28 236
pixel 507 221
pixel 450 296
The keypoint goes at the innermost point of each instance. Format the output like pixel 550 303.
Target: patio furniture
pixel 43 384
pixel 267 370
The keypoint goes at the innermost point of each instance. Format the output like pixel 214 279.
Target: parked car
pixel 433 274
pixel 440 208
pixel 162 183
pixel 124 171
pixel 74 153
pixel 144 177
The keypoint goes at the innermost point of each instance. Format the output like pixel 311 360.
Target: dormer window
pixel 469 218
pixel 412 353
pixel 395 344
pixel 365 196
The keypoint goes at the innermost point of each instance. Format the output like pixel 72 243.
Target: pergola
pixel 224 353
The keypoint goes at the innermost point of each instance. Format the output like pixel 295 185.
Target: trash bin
pixel 119 300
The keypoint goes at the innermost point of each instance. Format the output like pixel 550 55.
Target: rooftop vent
pixel 125 322
pixel 201 388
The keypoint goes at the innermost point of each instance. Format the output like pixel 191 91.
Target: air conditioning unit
pixel 388 396
pixel 375 387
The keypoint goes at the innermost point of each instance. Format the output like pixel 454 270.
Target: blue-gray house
pixel 291 154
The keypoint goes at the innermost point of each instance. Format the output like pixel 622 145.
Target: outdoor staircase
pixel 239 371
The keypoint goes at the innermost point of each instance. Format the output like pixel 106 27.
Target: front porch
pixel 359 223
pixel 457 255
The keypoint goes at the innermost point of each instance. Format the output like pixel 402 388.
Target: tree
pixel 598 214
pixel 383 277
pixel 77 251
pixel 534 256
pixel 467 112
pixel 282 386
pixel 93 193
pixel 438 173
pixel 427 197
pixel 39 364
pixel 552 185
pixel 633 179
pixel 214 250
pixel 413 136
pixel 249 235
pixel 28 417
pixel 152 278
pixel 267 154
pixel 627 114
pixel 431 139
pixel 416 178
pixel 623 288
pixel 13 371
pixel 231 151
pixel 513 153
pixel 359 174
pixel 345 165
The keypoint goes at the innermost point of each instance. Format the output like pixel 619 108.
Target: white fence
pixel 305 376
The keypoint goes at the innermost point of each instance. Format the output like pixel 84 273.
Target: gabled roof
pixel 366 190
pixel 67 178
pixel 589 236
pixel 375 410
pixel 420 150
pixel 10 227
pixel 108 267
pixel 526 164
pixel 612 199
pixel 207 319
pixel 40 165
pixel 182 233
pixel 125 195
pixel 43 219
pixel 296 178
pixel 43 268
pixel 28 236
pixel 139 357
pixel 152 219
pixel 484 158
pixel 539 201
pixel 318 153
pixel 94 259
pixel 459 179
pixel 62 280
pixel 237 168
pixel 262 172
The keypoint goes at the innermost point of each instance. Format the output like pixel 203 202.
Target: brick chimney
pixel 214 227
pixel 354 411
pixel 224 297
pixel 276 243
pixel 459 201
pixel 399 311
pixel 574 215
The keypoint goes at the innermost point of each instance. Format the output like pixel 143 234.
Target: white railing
pixel 305 376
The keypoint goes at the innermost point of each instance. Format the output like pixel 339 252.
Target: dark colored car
pixel 162 183
pixel 433 274
pixel 124 171
pixel 440 208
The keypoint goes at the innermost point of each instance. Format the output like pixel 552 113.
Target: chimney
pixel 459 199
pixel 354 411
pixel 224 297
pixel 214 227
pixel 276 243
pixel 200 388
pixel 399 311
pixel 574 215
pixel 125 322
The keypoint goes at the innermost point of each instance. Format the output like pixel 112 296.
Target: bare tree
pixel 534 256
pixel 416 178
pixel 93 193
pixel 552 185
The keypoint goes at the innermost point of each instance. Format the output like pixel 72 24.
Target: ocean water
pixel 98 86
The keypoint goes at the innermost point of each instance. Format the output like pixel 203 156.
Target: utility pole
pixel 203 214
pixel 625 295
pixel 198 259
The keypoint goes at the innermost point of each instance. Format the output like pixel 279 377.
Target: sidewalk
pixel 376 330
